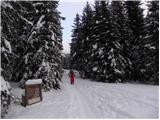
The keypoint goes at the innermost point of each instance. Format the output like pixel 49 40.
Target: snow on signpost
pixel 33 92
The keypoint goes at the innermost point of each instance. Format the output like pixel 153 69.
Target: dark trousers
pixel 72 81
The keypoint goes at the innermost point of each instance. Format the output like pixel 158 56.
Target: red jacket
pixel 71 76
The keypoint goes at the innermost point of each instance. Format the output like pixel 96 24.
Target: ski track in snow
pixel 88 99
pixel 78 104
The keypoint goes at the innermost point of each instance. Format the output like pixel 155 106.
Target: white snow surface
pixel 5 86
pixel 88 99
pixel 33 81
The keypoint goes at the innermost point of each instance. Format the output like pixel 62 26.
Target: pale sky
pixel 69 9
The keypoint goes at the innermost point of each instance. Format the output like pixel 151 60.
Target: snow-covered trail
pixel 88 99
pixel 79 106
pixel 69 102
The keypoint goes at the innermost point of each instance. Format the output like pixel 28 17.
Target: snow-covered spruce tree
pixel 26 13
pixel 44 58
pixel 107 60
pixel 12 33
pixel 106 52
pixel 103 53
pixel 35 34
pixel 136 24
pixel 75 44
pixel 122 34
pixel 87 31
pixel 6 58
pixel 93 64
pixel 151 39
pixel 6 69
pixel 10 41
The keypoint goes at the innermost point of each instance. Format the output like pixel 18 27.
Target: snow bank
pixel 5 86
pixel 121 101
pixel 33 81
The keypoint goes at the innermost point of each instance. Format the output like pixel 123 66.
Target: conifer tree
pixel 43 59
pixel 105 47
pixel 122 36
pixel 35 33
pixel 151 39
pixel 136 24
pixel 94 57
pixel 75 44
pixel 14 34
pixel 87 31
pixel 113 43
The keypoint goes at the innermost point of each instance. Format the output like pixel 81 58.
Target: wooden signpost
pixel 33 92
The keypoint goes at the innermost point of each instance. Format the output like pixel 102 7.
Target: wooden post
pixel 40 90
pixel 26 96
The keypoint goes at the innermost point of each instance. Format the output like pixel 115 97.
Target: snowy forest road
pixel 88 99
pixel 79 104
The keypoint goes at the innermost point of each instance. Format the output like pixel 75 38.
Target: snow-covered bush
pixel 49 76
pixel 5 96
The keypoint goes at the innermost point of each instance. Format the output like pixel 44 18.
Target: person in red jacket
pixel 71 75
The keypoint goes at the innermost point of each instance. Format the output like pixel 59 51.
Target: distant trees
pixel 151 39
pixel 122 35
pixel 111 42
pixel 75 45
pixel 31 42
pixel 66 61
pixel 136 25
